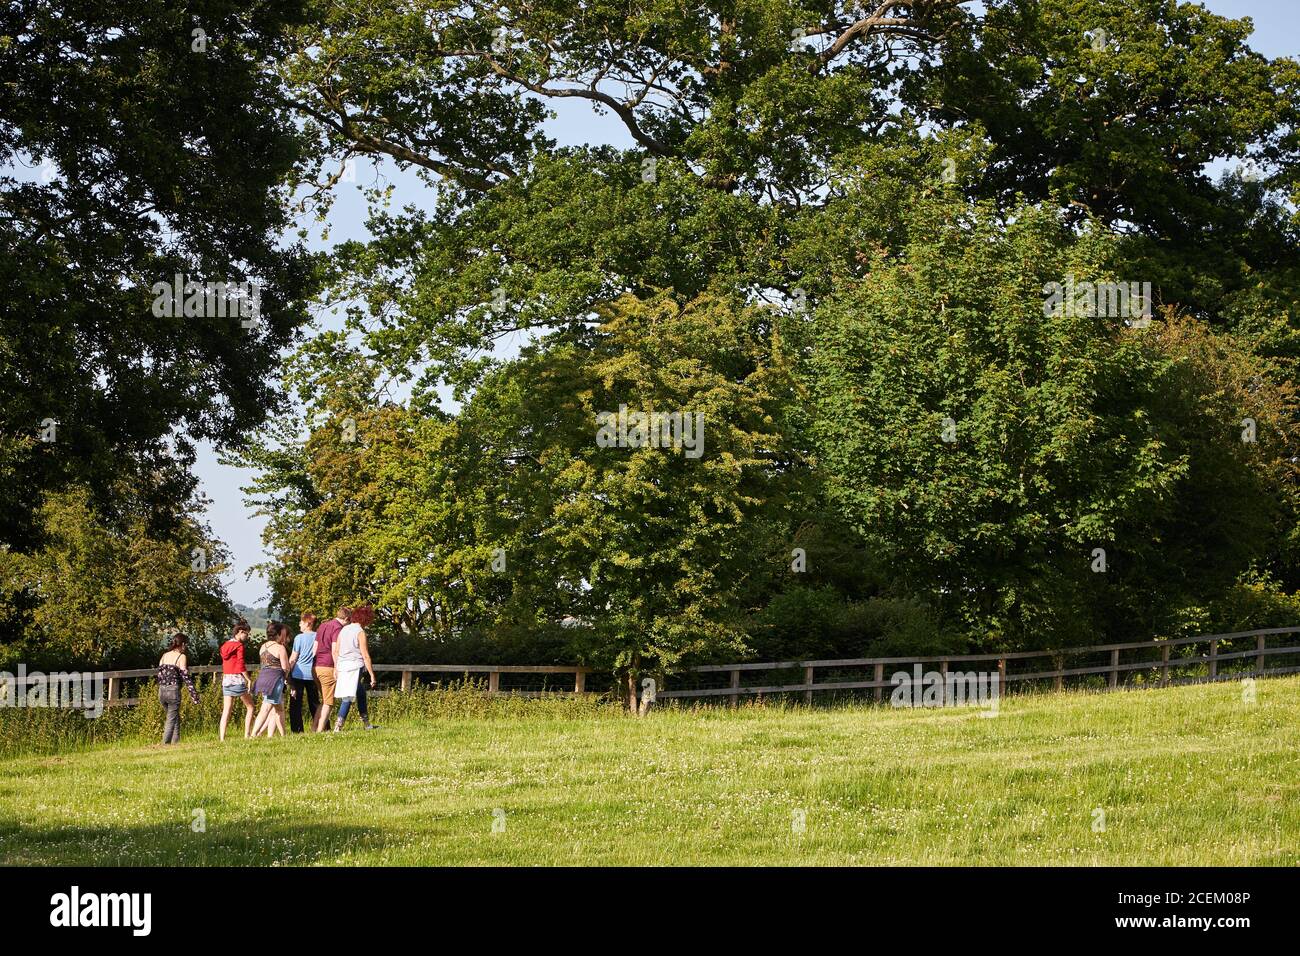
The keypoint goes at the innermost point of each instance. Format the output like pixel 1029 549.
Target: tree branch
pixel 345 126
pixel 880 21
pixel 622 110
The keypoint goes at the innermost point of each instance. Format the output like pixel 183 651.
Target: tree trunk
pixel 633 676
pixel 631 691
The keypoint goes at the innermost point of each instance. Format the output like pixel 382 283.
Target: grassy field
pixel 1190 775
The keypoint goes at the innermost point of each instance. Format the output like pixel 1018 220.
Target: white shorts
pixel 345 685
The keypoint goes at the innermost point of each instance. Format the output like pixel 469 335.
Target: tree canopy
pixel 893 188
pixel 828 241
pixel 135 149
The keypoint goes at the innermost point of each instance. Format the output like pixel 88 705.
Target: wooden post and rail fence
pixel 1015 667
pixel 1177 654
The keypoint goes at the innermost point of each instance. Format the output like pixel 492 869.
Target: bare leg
pixel 261 718
pixel 226 704
pixel 248 715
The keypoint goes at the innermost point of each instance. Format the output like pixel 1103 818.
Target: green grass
pixel 1189 775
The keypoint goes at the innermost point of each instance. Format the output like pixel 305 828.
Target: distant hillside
pixel 255 616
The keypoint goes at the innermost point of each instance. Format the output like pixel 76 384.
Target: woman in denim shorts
pixel 234 680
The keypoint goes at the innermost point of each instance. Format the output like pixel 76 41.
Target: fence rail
pixel 1113 669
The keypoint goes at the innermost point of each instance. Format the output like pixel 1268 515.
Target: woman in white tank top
pixel 351 653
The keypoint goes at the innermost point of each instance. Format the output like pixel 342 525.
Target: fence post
pixel 1114 668
pixel 406 681
pixel 1002 675
pixel 1164 665
pixel 579 682
pixel 494 682
pixel 1214 659
pixel 735 682
pixel 114 688
pixel 943 682
pixel 1259 655
pixel 1058 681
pixel 880 679
pixel 807 679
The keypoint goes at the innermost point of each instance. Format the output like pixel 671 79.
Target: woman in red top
pixel 234 680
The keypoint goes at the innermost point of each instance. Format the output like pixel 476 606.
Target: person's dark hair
pixel 309 619
pixel 344 614
pixel 275 631
pixel 179 642
pixel 242 626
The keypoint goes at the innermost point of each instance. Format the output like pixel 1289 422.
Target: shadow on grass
pixel 283 843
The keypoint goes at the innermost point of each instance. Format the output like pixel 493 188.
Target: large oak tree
pixel 137 142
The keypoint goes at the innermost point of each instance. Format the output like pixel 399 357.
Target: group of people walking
pixel 319 667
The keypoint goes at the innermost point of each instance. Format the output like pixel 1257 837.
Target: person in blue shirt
pixel 302 683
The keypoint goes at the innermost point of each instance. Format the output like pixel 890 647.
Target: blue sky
pixel 1277 33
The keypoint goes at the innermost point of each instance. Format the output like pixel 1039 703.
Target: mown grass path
pixel 1191 775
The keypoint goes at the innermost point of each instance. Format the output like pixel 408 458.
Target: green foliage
pixel 129 157
pixel 819 624
pixel 991 447
pixel 513 516
pixel 741 120
pixel 526 642
pixel 830 230
pixel 1257 601
pixel 96 594
pixel 825 230
pixel 657 549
